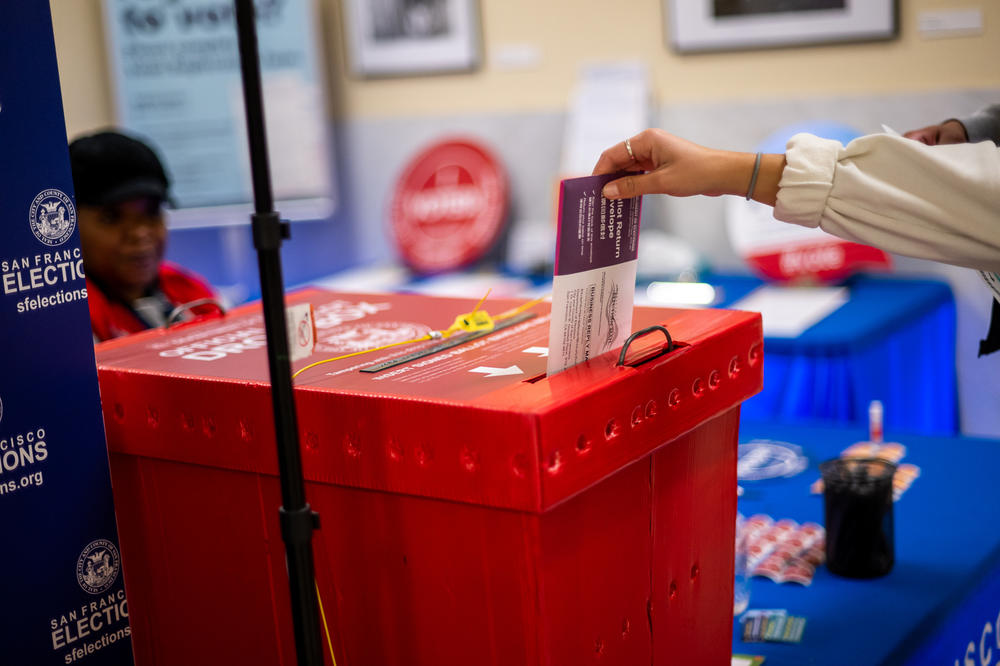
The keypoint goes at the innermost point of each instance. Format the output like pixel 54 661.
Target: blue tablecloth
pixel 894 341
pixel 942 597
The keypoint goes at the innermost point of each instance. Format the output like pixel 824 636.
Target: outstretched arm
pixel 948 132
pixel 681 168
pixel 931 202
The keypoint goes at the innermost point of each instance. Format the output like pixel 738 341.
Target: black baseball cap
pixel 110 167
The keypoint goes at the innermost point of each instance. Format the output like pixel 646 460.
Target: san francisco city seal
pixel 98 566
pixel 52 217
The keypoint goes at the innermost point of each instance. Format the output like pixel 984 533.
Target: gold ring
pixel 628 147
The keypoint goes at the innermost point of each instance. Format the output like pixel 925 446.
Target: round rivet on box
pixel 650 409
pixel 246 432
pixel 754 355
pixel 119 411
pixel 424 455
pixel 695 570
pixel 714 379
pixel 352 445
pixel 554 462
pixel 674 399
pixel 187 421
pixel 582 444
pixel 395 450
pixel 672 594
pixel 636 416
pixel 697 388
pixel 520 465
pixel 611 429
pixel 312 441
pixel 626 628
pixel 735 367
pixel 599 647
pixel 470 459
pixel 152 417
pixel 208 426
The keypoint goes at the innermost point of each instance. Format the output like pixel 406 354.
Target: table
pixel 894 341
pixel 940 602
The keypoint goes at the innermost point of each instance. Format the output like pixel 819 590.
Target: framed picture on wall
pixel 716 25
pixel 411 37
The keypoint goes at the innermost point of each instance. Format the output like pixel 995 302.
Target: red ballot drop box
pixel 473 510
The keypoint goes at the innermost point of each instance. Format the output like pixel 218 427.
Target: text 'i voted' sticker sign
pixel 449 206
pixel 768 459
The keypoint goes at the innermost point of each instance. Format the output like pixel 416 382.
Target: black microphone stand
pixel 298 520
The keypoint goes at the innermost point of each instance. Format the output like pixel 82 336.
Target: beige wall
pixel 79 34
pixel 598 30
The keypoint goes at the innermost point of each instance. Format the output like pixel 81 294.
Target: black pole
pixel 298 520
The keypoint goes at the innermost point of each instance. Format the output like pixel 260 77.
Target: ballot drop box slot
pixel 473 510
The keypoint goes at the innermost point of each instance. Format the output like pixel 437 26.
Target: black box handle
pixel 669 347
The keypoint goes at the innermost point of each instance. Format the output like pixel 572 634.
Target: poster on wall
pixel 411 37
pixel 176 77
pixel 713 25
pixel 63 593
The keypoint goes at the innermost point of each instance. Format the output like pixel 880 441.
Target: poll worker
pixel 983 125
pixel 121 187
pixel 938 202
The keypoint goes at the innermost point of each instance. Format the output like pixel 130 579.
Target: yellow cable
pixel 298 372
pixel 322 616
pixel 520 308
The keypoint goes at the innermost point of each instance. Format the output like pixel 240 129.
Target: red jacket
pixel 113 319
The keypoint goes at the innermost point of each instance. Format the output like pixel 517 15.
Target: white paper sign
pixel 788 311
pixel 301 325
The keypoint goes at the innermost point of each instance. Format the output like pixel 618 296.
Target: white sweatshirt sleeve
pixel 932 202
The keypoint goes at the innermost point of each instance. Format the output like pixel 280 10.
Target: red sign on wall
pixel 449 206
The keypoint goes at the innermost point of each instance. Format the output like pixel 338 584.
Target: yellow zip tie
pixel 322 616
pixel 481 300
pixel 470 322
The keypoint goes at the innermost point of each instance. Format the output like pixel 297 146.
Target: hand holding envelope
pixel 593 288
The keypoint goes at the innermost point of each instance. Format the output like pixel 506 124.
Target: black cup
pixel 857 496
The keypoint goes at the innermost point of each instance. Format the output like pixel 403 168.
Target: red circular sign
pixel 449 206
pixel 823 262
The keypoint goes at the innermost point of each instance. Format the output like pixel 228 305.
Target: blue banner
pixel 63 595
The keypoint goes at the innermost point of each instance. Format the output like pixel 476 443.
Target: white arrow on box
pixel 541 351
pixel 498 372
